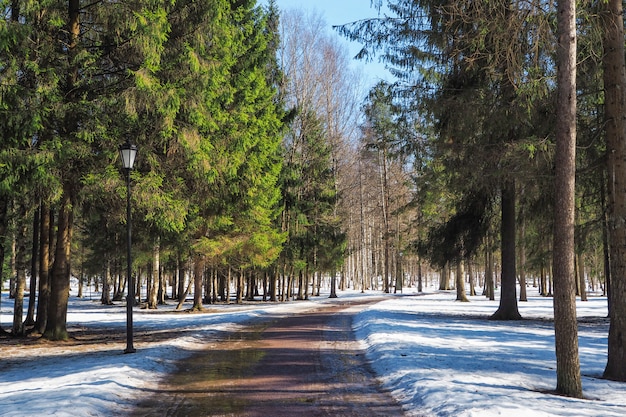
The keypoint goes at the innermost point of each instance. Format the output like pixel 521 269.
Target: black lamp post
pixel 128 153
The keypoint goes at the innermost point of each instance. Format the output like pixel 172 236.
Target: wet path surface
pixel 306 364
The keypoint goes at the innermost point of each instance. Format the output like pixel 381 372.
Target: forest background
pixel 261 166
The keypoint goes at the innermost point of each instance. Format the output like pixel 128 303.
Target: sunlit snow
pixel 438 357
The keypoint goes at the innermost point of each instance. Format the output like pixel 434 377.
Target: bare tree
pixel 319 85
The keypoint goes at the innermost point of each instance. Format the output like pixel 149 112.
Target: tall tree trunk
pixel 30 316
pixel 508 299
pixel 162 292
pixel 615 114
pixel 333 284
pixel 240 287
pixel 580 273
pixel 4 225
pixel 568 379
pixel 12 263
pixel 385 205
pixel 43 300
pixel 274 285
pixel 606 252
pixel 20 280
pixel 56 326
pixel 154 282
pixel 489 284
pixel 198 275
pixel 183 295
pixel 181 280
pixel 460 282
pixel 522 260
pixel 106 284
pixel 419 275
pixel 470 273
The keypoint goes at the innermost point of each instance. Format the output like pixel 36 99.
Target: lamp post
pixel 128 153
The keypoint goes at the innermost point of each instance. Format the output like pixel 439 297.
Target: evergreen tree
pixel 213 133
pixel 615 108
pixel 485 95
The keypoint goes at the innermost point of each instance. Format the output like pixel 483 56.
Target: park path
pixel 301 365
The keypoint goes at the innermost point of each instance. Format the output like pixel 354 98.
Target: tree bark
pixel 508 298
pixel 580 274
pixel 523 296
pixel 470 273
pixel 154 282
pixel 181 280
pixel 568 379
pixel 30 316
pixel 56 326
pixel 43 300
pixel 20 280
pixel 4 223
pixel 106 284
pixel 198 275
pixel 615 107
pixel 460 282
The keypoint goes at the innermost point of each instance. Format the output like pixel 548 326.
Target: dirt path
pixel 302 365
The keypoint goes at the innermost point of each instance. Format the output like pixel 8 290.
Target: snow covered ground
pixel 437 356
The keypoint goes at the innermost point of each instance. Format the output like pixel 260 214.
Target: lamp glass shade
pixel 128 153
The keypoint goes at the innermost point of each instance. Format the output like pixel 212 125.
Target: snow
pixel 437 356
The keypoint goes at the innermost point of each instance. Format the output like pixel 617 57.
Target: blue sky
pixel 337 12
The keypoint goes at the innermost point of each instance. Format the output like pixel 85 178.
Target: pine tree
pixel 565 325
pixel 615 107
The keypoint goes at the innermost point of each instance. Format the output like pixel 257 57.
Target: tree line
pixel 218 194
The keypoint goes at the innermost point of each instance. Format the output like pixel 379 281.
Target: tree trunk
pixel 274 285
pixel 605 247
pixel 385 205
pixel 198 274
pixel 580 277
pixel 568 379
pixel 522 261
pixel 615 114
pixel 183 295
pixel 43 300
pixel 4 223
pixel 444 278
pixel 154 282
pixel 239 288
pixel 460 282
pixel 30 316
pixel 106 284
pixel 543 281
pixel 419 276
pixel 13 264
pixel 162 292
pixel 508 299
pixel 20 280
pixel 333 284
pixel 470 273
pixel 181 281
pixel 56 326
pixel 489 290
pixel 228 278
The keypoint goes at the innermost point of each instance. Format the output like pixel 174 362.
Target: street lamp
pixel 128 153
